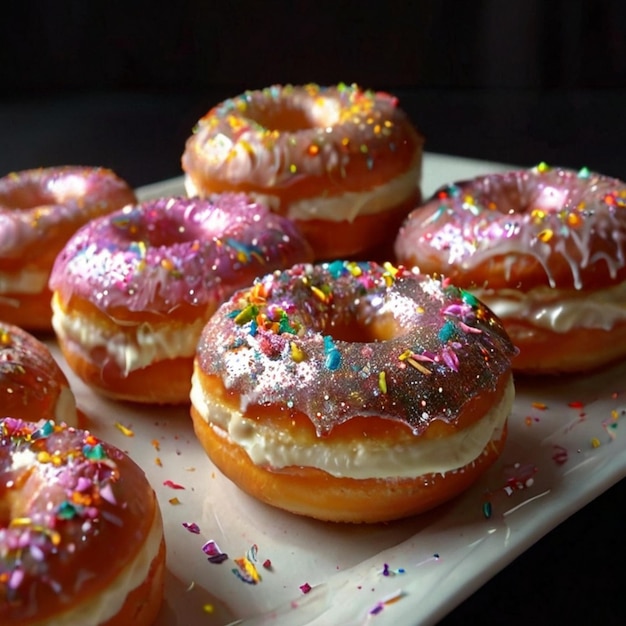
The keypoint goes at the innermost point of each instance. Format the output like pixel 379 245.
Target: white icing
pixel 138 346
pixel 347 206
pixel 558 310
pixel 98 610
pixel 364 459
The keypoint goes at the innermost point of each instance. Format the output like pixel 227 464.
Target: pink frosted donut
pixel 81 534
pixel 32 385
pixel 341 161
pixel 544 248
pixel 132 290
pixel 352 392
pixel 39 210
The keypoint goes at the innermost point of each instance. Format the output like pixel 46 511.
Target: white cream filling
pixel 347 206
pixel 26 281
pixel 362 459
pixel 137 347
pixel 552 309
pixel 98 610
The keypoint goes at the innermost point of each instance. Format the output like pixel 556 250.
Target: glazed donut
pixel 545 249
pixel 352 392
pixel 32 385
pixel 39 210
pixel 342 162
pixel 81 536
pixel 132 290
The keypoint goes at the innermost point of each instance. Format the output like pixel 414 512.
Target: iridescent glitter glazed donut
pixel 545 249
pixel 81 536
pixel 343 162
pixel 132 290
pixel 352 392
pixel 39 210
pixel 32 385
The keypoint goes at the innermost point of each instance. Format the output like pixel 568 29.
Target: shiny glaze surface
pixel 39 207
pixel 522 229
pixel 74 511
pixel 163 254
pixel 32 385
pixel 341 340
pixel 296 142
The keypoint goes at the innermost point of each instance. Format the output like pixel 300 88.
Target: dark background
pixel 121 84
pixel 516 81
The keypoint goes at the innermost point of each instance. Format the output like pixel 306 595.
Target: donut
pixel 344 163
pixel 39 211
pixel 32 385
pixel 132 290
pixel 352 392
pixel 544 248
pixel 81 536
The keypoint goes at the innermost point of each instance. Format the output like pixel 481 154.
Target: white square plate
pixel 563 450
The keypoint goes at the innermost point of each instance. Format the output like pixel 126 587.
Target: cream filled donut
pixel 132 290
pixel 342 162
pixel 544 248
pixel 352 392
pixel 32 385
pixel 39 210
pixel 81 536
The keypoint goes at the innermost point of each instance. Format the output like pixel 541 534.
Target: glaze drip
pixel 341 339
pixel 571 225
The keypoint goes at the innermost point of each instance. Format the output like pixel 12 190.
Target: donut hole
pixel 30 194
pixel 26 197
pixel 291 116
pixel 358 329
pixel 512 194
pixel 165 231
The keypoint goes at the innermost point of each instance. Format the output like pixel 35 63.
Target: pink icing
pixel 76 511
pixel 573 224
pixel 35 204
pixel 273 137
pixel 156 255
pixel 279 343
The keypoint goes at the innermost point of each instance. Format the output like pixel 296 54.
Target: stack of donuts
pixel 346 347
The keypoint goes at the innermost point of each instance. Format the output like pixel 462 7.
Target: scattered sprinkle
pixel 246 571
pixel 305 588
pixel 560 455
pixel 192 527
pixel 172 485
pixel 124 430
pixel 576 404
pixel 387 600
pixel 213 552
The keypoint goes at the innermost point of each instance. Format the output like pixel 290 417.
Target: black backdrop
pixel 515 81
pixel 121 83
